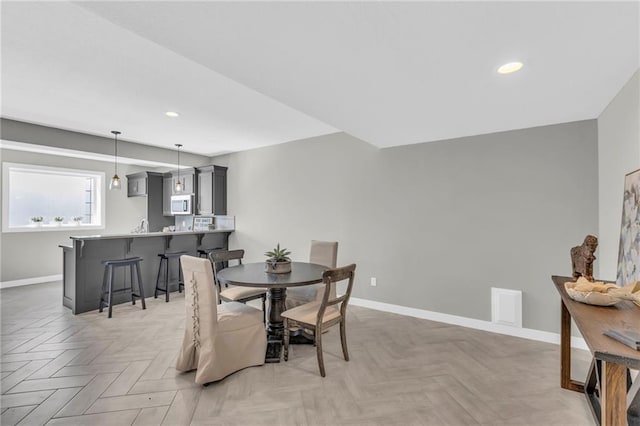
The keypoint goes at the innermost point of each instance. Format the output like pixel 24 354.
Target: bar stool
pixel 204 252
pixel 109 276
pixel 165 260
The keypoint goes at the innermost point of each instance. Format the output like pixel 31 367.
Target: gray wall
pixel 25 255
pixel 36 254
pixel 18 131
pixel 618 154
pixel 439 223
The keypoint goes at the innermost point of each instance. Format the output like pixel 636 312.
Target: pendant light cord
pixel 179 184
pixel 115 180
pixel 115 159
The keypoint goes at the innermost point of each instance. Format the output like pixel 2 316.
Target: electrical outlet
pixel 374 281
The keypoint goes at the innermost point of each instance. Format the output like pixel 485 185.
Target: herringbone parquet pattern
pixel 61 369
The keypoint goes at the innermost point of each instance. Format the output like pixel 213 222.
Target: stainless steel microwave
pixel 182 204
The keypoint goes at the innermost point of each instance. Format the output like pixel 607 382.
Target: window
pixel 49 198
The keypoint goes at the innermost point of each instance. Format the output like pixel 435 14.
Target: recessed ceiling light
pixel 171 114
pixel 510 67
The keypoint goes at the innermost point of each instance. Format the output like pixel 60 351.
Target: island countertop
pixel 146 234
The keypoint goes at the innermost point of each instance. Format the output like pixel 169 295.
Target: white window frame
pixel 100 198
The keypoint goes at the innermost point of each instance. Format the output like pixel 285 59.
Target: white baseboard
pixel 28 281
pixel 526 333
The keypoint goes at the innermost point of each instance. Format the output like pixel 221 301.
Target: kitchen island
pixel 83 270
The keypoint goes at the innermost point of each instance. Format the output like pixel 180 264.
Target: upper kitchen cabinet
pixel 167 192
pixel 149 185
pixel 187 177
pixel 212 190
pixel 138 183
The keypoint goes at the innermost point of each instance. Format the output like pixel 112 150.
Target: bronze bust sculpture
pixel 582 258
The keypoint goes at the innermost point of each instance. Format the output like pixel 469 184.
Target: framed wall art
pixel 629 249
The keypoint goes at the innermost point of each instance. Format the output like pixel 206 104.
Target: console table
pixel 609 389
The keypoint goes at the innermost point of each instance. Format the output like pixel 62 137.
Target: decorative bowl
pixel 591 297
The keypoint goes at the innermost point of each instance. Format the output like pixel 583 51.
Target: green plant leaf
pixel 278 254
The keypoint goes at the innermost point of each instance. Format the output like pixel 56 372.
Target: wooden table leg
pixel 275 326
pixel 565 353
pixel 275 323
pixel 565 348
pixel 614 394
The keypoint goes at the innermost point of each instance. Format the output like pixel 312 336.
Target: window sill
pixel 51 228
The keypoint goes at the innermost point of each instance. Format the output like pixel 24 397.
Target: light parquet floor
pixel 61 369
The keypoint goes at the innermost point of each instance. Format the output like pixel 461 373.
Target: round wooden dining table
pixel 254 275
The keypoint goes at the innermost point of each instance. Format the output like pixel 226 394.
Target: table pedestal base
pixel 300 337
pixel 275 323
pixel 274 349
pixel 275 327
pixel 254 275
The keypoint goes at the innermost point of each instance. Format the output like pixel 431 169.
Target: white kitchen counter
pixel 146 234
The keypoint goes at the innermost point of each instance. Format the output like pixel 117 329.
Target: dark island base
pixel 83 270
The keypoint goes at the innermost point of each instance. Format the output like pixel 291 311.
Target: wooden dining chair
pixel 219 259
pixel 319 316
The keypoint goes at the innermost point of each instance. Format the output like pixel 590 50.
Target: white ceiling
pixel 244 75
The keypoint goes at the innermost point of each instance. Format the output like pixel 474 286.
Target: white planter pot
pixel 278 267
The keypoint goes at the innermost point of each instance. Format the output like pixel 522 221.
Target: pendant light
pixel 115 180
pixel 178 183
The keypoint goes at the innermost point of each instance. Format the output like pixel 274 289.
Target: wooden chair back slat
pixel 332 277
pixel 220 258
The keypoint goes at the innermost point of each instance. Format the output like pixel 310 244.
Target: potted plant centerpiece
pixel 278 261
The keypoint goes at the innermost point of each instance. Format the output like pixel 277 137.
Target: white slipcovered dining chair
pixel 323 253
pixel 218 339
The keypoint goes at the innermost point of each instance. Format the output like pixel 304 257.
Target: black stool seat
pixel 122 262
pixel 204 252
pixel 109 276
pixel 173 254
pixel 165 259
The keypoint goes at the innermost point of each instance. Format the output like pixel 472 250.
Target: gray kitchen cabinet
pixel 137 185
pixel 212 190
pixel 204 204
pixel 167 192
pixel 150 185
pixel 220 190
pixel 187 177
